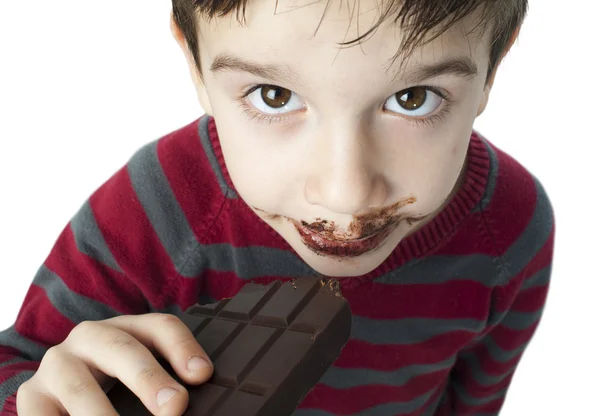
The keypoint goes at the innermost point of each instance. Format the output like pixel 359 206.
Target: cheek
pixel 433 175
pixel 256 170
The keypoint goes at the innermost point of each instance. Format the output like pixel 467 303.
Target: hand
pixel 72 375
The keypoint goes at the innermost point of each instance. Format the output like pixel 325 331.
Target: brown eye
pixel 416 101
pixel 271 99
pixel 275 97
pixel 412 98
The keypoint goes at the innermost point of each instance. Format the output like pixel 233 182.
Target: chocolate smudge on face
pixel 362 225
pixel 365 225
pixel 268 215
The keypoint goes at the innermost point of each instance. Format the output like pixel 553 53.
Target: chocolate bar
pixel 270 344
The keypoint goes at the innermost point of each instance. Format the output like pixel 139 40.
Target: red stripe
pixel 462 242
pixel 185 290
pixel 88 277
pixel 357 399
pixel 453 299
pixel 392 357
pixel 511 339
pixel 239 226
pixel 8 353
pixel 531 300
pixel 131 239
pixel 513 203
pixel 40 321
pixel 10 406
pixel 191 178
pixel 12 370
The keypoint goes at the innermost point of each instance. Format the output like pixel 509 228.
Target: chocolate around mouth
pixel 340 247
pixel 366 231
pixel 365 225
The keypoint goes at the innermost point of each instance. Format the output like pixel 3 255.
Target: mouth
pixel 339 247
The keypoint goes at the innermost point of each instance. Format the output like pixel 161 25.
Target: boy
pixel 359 163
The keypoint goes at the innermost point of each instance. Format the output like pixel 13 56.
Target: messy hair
pixel 417 17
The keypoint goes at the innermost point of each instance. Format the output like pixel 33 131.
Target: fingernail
pixel 164 395
pixel 197 363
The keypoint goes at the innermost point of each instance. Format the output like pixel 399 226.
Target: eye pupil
pixel 412 98
pixel 275 97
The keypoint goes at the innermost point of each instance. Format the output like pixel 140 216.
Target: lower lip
pixel 341 248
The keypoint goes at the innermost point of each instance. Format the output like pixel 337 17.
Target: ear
pixel 196 76
pixel 490 83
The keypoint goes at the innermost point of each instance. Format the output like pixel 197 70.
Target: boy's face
pixel 341 156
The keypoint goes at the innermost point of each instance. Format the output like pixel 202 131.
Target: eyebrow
pixel 225 62
pixel 462 66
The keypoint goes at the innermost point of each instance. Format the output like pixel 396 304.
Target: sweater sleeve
pixel 107 261
pixel 481 376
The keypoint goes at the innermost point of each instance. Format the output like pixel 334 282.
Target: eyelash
pixel 254 115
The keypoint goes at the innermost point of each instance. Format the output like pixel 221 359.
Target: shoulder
pixel 174 176
pixel 517 212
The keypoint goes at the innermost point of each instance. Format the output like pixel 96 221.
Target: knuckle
pixel 168 320
pixel 78 387
pixel 147 376
pixel 53 355
pixel 25 390
pixel 186 344
pixel 82 330
pixel 122 340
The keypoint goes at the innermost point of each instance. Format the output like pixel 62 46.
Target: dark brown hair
pixel 417 17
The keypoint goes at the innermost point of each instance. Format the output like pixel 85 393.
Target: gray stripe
pixel 431 409
pixel 89 239
pixel 344 378
pixel 535 235
pixel 541 278
pixel 476 401
pixel 10 386
pixel 27 348
pixel 492 178
pixel 481 376
pixel 410 330
pixel 12 361
pixel 386 409
pixel 73 306
pixel 210 154
pixel 500 355
pixel 160 205
pixel 250 262
pixel 441 269
pixel 519 321
pixel 172 309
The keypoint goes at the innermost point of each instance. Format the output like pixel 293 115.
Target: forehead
pixel 302 33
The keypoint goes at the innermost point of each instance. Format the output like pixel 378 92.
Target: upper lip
pixel 326 236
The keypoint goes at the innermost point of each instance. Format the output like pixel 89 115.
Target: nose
pixel 346 178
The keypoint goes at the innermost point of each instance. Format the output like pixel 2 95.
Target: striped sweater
pixel 438 328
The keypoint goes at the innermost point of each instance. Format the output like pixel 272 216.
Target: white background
pixel 85 84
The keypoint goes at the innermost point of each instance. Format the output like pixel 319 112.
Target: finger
pixel 34 403
pixel 173 340
pixel 76 388
pixel 120 355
